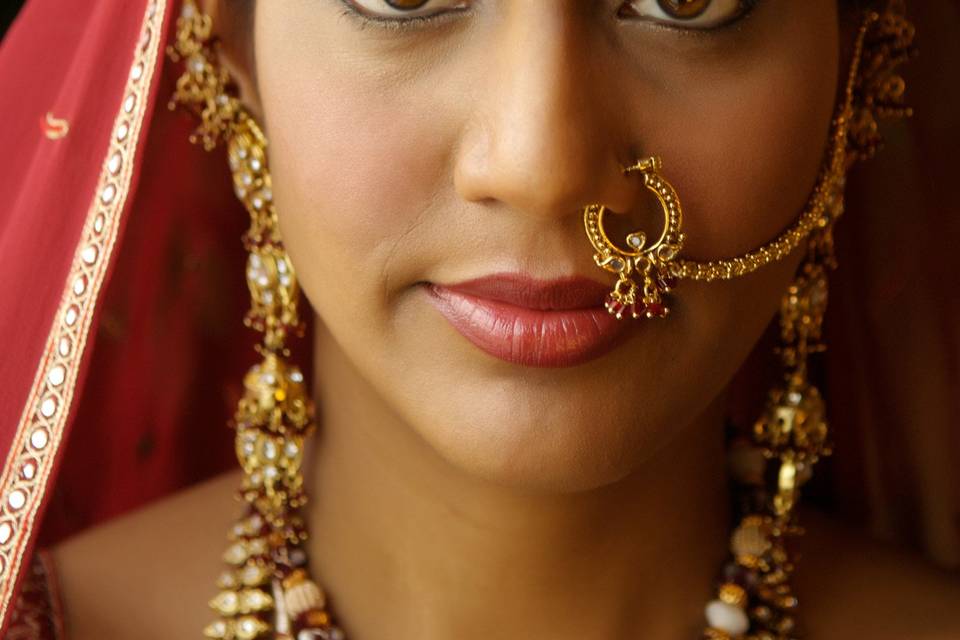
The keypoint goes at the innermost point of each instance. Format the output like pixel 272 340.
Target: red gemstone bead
pixel 657 310
pixel 637 309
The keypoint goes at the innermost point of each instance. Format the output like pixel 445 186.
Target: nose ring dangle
pixel 645 273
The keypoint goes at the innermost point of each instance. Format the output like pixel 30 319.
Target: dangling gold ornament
pixel 266 590
pixel 792 432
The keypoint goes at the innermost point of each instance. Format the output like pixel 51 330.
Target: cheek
pixel 354 171
pixel 361 173
pixel 748 142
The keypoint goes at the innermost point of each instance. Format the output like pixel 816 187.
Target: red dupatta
pixel 95 159
pixel 118 234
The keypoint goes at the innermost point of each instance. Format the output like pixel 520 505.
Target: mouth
pixel 530 322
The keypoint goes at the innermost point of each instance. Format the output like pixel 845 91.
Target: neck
pixel 409 546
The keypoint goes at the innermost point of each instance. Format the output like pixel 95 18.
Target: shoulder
pixel 120 579
pixel 850 585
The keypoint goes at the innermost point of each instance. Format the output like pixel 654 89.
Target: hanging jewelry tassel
pixel 266 590
pixel 755 594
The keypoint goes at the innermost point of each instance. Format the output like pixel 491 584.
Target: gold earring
pixel 266 588
pixel 653 263
pixel 791 434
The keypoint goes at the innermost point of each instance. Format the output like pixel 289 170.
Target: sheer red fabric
pixel 123 297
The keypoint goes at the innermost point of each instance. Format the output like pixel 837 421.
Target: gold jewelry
pixel 815 215
pixel 879 90
pixel 873 90
pixel 266 589
pixel 791 435
pixel 653 263
pixel 755 598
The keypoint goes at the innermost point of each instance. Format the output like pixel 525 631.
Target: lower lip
pixel 529 337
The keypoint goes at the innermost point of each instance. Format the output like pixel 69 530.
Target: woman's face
pixel 442 150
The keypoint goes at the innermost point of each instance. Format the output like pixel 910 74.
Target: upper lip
pixel 521 290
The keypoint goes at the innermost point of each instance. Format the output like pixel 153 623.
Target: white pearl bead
pixel 727 617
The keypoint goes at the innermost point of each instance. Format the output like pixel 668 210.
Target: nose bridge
pixel 550 144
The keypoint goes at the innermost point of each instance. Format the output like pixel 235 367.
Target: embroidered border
pixel 40 431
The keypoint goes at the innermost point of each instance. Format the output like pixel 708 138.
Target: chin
pixel 541 443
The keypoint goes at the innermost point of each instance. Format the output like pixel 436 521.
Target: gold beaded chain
pixel 872 91
pixel 755 598
pixel 816 214
pixel 646 274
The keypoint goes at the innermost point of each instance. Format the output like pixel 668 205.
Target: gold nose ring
pixel 645 272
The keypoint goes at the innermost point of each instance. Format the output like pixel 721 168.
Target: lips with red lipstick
pixel 535 323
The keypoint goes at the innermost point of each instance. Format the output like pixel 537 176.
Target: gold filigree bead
pixel 219 630
pixel 254 575
pixel 242 550
pixel 250 628
pixel 255 600
pixel 226 603
pixel 786 625
pixel 761 613
pixel 750 539
pixel 230 602
pixel 236 554
pixel 733 594
pixel 228 580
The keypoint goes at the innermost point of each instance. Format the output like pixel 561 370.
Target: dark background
pixel 8 11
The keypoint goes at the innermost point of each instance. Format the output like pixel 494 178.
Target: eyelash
pixel 412 23
pixel 396 24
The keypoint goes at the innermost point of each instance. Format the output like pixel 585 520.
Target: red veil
pixel 122 289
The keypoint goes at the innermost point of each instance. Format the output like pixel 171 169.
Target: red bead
pixel 656 310
pixel 637 309
pixel 615 307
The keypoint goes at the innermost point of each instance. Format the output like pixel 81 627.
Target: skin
pixel 454 495
pixel 446 162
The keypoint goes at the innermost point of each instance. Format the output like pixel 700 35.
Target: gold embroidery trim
pixel 40 431
pixel 55 128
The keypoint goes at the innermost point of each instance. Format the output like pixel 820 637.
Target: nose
pixel 546 138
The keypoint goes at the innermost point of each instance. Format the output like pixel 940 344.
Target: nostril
pixel 643 217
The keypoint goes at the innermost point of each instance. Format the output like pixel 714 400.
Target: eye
pixel 690 14
pixel 399 10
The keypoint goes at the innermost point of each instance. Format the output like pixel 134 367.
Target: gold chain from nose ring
pixel 817 215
